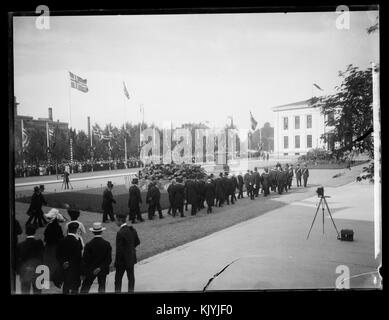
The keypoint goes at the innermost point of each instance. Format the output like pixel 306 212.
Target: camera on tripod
pixel 320 192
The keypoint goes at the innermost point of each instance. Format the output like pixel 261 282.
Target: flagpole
pixel 23 160
pixel 70 131
pixel 47 141
pixel 125 131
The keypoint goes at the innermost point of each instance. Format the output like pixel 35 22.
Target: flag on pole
pixel 25 138
pixel 126 91
pixel 318 87
pixel 78 83
pixel 253 122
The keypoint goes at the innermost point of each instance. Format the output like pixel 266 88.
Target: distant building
pixel 299 128
pixel 29 121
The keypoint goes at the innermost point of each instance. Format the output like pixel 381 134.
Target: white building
pixel 298 127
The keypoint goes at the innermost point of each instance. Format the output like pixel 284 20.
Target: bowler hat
pixel 109 184
pixel 97 227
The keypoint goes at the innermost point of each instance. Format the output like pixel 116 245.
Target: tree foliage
pixel 352 110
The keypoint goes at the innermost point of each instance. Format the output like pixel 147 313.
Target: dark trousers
pixel 71 283
pixel 135 213
pixel 119 276
pixel 240 194
pixel 87 283
pixel 108 212
pixel 37 218
pixel 298 179
pixel 305 181
pixel 180 209
pixel 256 191
pixel 266 191
pixel 193 209
pixel 250 192
pixel 26 286
pixel 233 197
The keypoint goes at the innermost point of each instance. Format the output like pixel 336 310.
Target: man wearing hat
pixel 35 210
pixel 134 201
pixel 126 242
pixel 96 260
pixel 107 203
pixel 209 195
pixel 240 185
pixel 69 255
pixel 178 197
pixel 170 191
pixel 30 255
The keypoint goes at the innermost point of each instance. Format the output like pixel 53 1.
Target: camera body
pixel 320 192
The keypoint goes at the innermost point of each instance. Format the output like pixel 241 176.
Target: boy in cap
pixel 96 260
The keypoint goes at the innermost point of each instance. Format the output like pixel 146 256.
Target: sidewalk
pixel 273 251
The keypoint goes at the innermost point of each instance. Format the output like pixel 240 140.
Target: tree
pixel 352 110
pixel 36 150
pixel 80 146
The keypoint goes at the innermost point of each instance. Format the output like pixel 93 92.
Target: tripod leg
pixel 329 212
pixel 317 210
pixel 322 208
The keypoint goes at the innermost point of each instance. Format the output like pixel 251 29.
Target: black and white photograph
pixel 158 151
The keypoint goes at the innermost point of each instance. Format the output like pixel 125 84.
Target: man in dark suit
pixel 246 180
pixel 201 192
pixel 251 185
pixel 30 255
pixel 96 260
pixel 305 174
pixel 107 203
pixel 298 175
pixel 257 182
pixel 192 195
pixel 291 175
pixel 178 194
pixel 265 182
pixel 126 241
pixel 240 186
pixel 209 195
pixel 69 256
pixel 152 199
pixel 226 187
pixel 35 210
pixel 134 202
pixel 170 194
pixel 219 189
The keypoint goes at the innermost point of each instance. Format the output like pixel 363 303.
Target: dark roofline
pixel 308 102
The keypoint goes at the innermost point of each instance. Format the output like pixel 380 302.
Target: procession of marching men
pixel 74 265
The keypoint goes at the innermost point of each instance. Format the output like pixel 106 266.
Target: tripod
pixel 323 202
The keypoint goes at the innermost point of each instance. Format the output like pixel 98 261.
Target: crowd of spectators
pixel 78 166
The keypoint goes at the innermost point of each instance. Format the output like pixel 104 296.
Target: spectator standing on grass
pixel 134 201
pixel 265 182
pixel 30 256
pixel 107 203
pixel 69 254
pixel 305 174
pixel 170 191
pixel 126 242
pixel 246 180
pixel 74 214
pixel 35 210
pixel 96 260
pixel 66 179
pixel 52 236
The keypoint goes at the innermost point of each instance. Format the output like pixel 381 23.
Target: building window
pixel 286 142
pixel 285 154
pixel 309 141
pixel 297 142
pixel 297 122
pixel 309 121
pixel 285 123
pixel 297 153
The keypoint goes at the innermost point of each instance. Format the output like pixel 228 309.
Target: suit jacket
pixel 178 194
pixel 240 181
pixel 97 254
pixel 30 255
pixel 305 173
pixel 126 241
pixel 298 173
pixel 37 200
pixel 107 199
pixel 210 193
pixel 135 198
pixel 53 233
pixel 70 249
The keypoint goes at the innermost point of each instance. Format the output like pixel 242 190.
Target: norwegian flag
pixel 25 139
pixel 78 83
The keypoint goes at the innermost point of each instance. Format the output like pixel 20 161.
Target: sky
pixel 184 68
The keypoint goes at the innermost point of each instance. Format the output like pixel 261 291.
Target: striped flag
pixel 317 87
pixel 78 83
pixel 25 139
pixel 253 122
pixel 126 91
